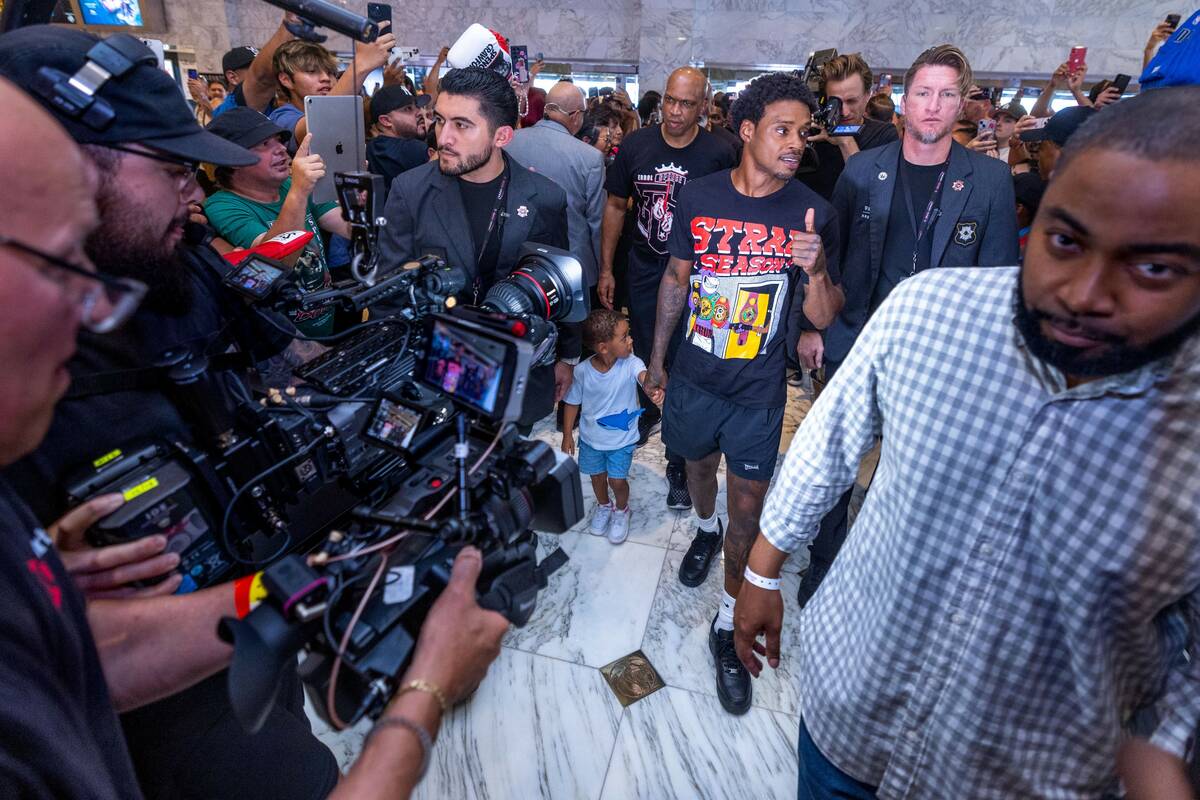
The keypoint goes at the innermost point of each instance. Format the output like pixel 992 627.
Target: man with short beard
pixel 917 204
pixel 189 745
pixel 399 142
pixel 476 206
pixel 1019 599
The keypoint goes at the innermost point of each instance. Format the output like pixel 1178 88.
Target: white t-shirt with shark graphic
pixel 609 400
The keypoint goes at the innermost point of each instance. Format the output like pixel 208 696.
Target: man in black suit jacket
pixel 476 206
pixel 920 203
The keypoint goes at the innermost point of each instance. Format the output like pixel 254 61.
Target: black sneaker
pixel 648 424
pixel 795 378
pixel 699 556
pixel 678 497
pixel 810 582
pixel 733 679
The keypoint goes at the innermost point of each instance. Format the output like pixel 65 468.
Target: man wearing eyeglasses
pixel 550 147
pixel 143 166
pixel 652 166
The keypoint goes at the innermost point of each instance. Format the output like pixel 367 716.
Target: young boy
pixel 606 387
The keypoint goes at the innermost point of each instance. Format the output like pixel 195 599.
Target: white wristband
pixel 771 584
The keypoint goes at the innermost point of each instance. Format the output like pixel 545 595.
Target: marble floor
pixel 544 724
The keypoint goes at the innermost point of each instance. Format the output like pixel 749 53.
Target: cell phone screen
pixel 193 74
pixel 1121 82
pixel 520 59
pixel 1173 20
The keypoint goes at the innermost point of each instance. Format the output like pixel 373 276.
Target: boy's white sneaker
pixel 618 528
pixel 601 519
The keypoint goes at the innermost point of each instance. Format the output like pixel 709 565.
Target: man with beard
pixel 399 143
pixel 476 206
pixel 748 245
pixel 188 745
pixel 903 208
pixel 1019 594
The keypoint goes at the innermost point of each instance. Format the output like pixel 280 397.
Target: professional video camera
pixel 828 116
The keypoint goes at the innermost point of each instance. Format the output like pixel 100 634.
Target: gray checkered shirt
pixel 1022 576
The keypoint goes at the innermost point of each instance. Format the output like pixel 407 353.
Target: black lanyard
pixel 929 217
pixel 487 237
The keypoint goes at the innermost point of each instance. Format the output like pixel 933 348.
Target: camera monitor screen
pixel 467 366
pixel 392 425
pixel 254 277
pixel 112 12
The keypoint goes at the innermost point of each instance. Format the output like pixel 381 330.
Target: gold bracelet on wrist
pixel 431 689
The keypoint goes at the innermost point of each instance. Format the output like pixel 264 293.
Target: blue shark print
pixel 620 421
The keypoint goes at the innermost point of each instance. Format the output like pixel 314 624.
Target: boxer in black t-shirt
pixel 651 167
pixel 745 245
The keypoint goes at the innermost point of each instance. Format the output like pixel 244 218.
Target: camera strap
pixel 495 223
pixel 927 219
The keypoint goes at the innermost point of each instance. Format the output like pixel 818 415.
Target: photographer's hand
pixel 105 572
pixel 371 56
pixel 459 640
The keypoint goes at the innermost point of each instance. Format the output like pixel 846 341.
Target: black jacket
pixel 425 214
pixel 977 226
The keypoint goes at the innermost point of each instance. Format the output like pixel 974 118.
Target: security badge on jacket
pixel 965 233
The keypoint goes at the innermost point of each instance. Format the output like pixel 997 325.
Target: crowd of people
pixel 1006 303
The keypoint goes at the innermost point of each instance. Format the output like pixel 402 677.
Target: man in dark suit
pixel 477 206
pixel 912 205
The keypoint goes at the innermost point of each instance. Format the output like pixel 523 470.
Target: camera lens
pixel 546 283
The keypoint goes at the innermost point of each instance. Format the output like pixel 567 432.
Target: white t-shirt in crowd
pixel 609 400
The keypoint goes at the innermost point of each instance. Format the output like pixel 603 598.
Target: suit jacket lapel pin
pixel 957 186
pixel 522 212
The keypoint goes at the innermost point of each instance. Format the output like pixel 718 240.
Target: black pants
pixel 190 746
pixel 834 525
pixel 643 311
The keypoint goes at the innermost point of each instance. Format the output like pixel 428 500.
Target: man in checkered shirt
pixel 1020 586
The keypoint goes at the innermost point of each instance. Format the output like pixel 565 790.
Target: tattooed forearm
pixel 672 297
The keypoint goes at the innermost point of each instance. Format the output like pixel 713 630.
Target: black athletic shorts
pixel 696 424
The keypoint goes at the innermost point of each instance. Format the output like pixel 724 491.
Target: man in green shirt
pixel 261 201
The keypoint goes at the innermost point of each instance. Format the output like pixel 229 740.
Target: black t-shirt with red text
pixel 652 172
pixel 59 735
pixel 742 285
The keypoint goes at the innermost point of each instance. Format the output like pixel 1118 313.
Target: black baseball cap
pixel 1060 127
pixel 238 58
pixel 1013 109
pixel 147 106
pixel 393 97
pixel 246 127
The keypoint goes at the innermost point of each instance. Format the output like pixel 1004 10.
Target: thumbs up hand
pixel 807 251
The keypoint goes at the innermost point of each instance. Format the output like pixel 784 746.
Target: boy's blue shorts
pixel 614 462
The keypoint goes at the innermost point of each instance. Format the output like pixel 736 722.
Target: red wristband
pixel 248 592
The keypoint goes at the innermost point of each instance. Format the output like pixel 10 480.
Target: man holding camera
pixel 848 80
pixel 185 741
pixel 918 204
pixel 475 206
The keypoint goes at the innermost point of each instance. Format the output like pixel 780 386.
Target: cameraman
pixel 61 737
pixel 849 79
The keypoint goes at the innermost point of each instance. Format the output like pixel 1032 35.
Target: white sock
pixel 725 613
pixel 707 525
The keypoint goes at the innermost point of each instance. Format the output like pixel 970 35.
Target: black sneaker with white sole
pixel 678 496
pixel 733 679
pixel 699 556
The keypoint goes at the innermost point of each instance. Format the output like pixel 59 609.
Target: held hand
pixel 535 68
pixel 984 143
pixel 759 612
pixel 1026 123
pixel 657 396
pixel 811 350
pixel 568 444
pixel 564 376
pixel 808 252
pixel 459 640
pixel 103 572
pixel 307 168
pixel 656 380
pixel 1075 79
pixel 196 214
pixel 606 287
pixel 1059 78
pixel 372 55
pixel 443 54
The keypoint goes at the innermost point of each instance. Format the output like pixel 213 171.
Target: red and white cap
pixel 481 47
